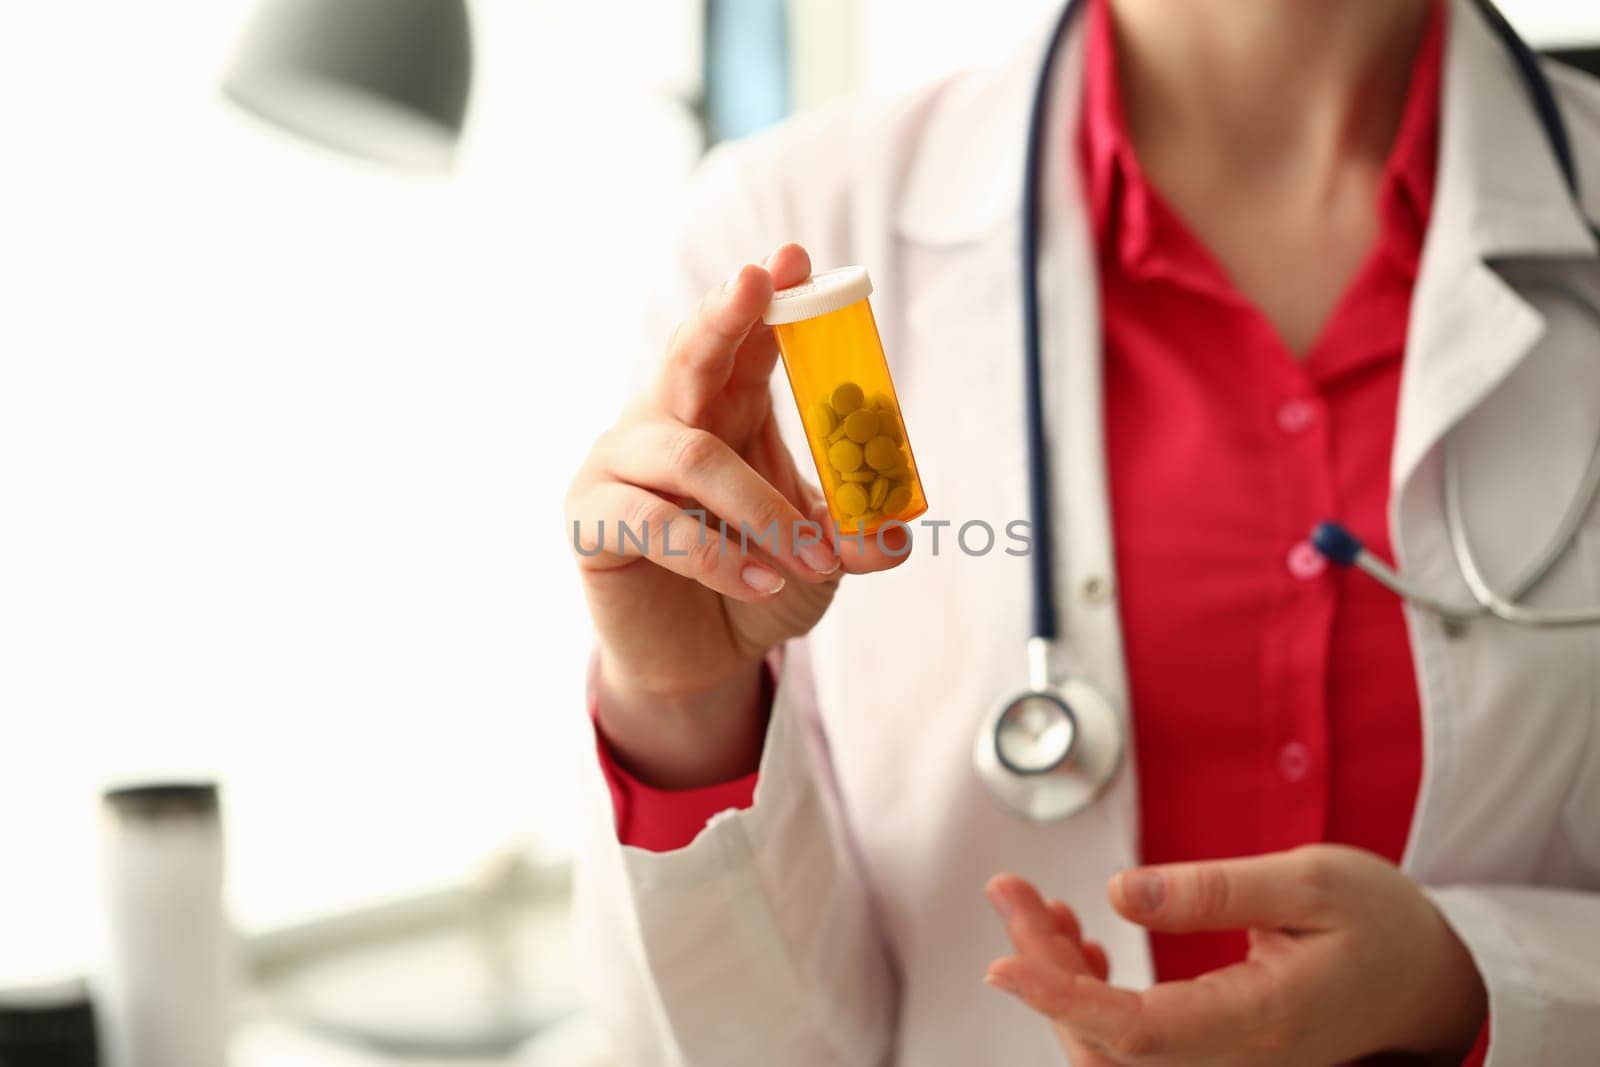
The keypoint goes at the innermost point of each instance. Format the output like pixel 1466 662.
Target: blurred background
pixel 293 372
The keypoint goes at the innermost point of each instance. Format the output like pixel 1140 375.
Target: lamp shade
pixel 387 80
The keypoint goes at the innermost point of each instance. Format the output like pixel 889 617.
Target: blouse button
pixel 1296 416
pixel 1305 562
pixel 1294 761
pixel 1095 589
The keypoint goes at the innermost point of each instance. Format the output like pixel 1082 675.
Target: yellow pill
pixel 880 489
pixel 897 499
pixel 861 477
pixel 852 499
pixel 845 456
pixel 882 402
pixel 823 418
pixel 898 474
pixel 846 398
pixel 883 454
pixel 889 426
pixel 860 522
pixel 837 435
pixel 861 426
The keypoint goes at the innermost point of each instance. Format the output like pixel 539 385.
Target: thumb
pixel 789 265
pixel 1270 891
pixel 703 354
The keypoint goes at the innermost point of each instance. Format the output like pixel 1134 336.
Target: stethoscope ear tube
pixel 1338 545
pixel 1047 752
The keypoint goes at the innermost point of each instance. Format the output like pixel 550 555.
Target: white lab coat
pixel 840 920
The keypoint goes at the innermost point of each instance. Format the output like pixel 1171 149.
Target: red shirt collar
pixel 1123 205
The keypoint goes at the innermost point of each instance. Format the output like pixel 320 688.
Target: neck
pixel 1270 90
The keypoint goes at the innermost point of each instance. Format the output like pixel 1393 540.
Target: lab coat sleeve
pixel 1539 953
pixel 757 943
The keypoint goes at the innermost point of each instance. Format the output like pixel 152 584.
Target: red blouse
pixel 1274 700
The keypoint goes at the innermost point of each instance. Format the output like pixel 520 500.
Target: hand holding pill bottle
pixel 684 611
pixel 840 379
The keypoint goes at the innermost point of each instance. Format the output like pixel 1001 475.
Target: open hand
pixel 1347 957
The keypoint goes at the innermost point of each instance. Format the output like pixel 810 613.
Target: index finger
pixel 1035 929
pixel 724 339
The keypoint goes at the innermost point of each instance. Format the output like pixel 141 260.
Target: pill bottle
pixel 847 402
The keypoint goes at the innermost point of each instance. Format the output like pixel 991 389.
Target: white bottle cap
pixel 818 295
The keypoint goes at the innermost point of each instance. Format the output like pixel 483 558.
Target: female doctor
pixel 1293 261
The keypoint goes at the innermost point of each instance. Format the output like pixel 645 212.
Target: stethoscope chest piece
pixel 1048 752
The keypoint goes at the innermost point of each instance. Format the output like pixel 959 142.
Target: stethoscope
pixel 1049 751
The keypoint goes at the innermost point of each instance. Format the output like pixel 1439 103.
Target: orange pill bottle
pixel 840 379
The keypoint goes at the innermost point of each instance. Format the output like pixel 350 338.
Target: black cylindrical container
pixel 49 1025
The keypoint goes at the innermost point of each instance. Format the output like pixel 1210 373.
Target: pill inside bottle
pixel 840 379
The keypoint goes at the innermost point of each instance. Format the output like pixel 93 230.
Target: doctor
pixel 1293 253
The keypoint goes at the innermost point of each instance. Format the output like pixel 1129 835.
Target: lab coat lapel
pixel 1482 361
pixel 1500 195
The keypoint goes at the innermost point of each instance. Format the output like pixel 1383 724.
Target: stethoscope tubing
pixel 1041 559
pixel 1334 541
pixel 1342 547
pixel 1057 787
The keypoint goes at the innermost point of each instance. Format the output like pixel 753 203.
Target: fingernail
pixel 1001 902
pixel 761 579
pixel 733 281
pixel 820 558
pixel 1001 982
pixel 1143 891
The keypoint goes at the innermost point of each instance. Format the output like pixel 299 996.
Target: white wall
pixel 283 442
